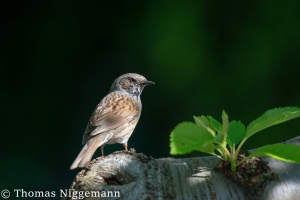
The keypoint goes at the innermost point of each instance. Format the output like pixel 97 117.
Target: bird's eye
pixel 132 80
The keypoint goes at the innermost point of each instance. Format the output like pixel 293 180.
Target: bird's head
pixel 131 83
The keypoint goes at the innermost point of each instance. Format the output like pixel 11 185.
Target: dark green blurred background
pixel 58 60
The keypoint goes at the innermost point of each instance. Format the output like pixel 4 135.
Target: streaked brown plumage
pixel 114 118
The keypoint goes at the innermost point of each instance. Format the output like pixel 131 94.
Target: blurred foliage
pixel 58 60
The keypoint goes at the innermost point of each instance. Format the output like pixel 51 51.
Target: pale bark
pixel 137 176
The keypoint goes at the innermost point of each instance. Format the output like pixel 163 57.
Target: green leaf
pixel 199 121
pixel 203 121
pixel 236 133
pixel 284 152
pixel 220 138
pixel 271 118
pixel 187 137
pixel 224 121
pixel 217 125
pixel 207 148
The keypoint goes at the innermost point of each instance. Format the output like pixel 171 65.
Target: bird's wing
pixel 112 112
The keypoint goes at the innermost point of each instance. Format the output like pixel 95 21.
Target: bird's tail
pixel 87 153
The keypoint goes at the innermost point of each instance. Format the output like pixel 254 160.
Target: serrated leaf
pixel 271 118
pixel 203 121
pixel 236 133
pixel 284 152
pixel 217 125
pixel 187 137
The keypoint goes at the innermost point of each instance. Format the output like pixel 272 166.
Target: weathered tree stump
pixel 130 175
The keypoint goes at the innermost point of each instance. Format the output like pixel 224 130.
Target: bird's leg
pixel 102 149
pixel 125 147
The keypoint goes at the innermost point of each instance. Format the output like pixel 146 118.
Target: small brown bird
pixel 114 118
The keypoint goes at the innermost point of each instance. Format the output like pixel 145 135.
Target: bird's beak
pixel 147 83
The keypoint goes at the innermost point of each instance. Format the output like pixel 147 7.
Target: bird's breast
pixel 123 133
